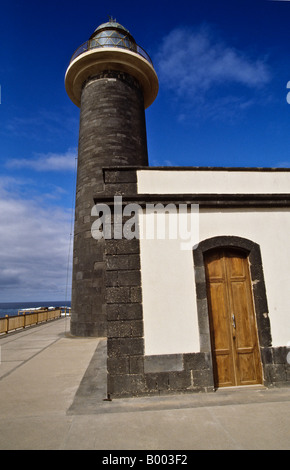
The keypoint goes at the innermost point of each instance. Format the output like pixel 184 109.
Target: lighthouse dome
pixel 111 47
pixel 112 34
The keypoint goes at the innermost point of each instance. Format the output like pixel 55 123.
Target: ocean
pixel 12 308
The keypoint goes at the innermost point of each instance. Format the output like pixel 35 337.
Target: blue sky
pixel 223 69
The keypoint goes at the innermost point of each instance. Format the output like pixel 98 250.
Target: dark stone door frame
pixel 258 285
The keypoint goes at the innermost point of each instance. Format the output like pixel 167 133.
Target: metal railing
pixel 28 318
pixel 91 44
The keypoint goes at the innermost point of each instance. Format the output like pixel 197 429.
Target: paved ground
pixel 52 390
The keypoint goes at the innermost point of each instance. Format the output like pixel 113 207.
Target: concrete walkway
pixel 52 390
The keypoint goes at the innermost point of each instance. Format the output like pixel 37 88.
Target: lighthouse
pixel 112 80
pixel 164 314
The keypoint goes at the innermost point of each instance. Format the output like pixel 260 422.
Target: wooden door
pixel 235 348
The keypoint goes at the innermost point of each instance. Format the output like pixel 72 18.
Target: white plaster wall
pixel 169 298
pixel 203 182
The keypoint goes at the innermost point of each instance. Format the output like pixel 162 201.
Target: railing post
pixel 24 319
pixel 7 323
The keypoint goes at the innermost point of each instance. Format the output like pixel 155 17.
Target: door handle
pixel 234 321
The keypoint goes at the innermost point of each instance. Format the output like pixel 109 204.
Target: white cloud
pixel 283 164
pixel 47 162
pixel 193 62
pixel 35 242
pixel 162 162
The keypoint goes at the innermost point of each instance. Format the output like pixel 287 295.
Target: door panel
pixel 222 337
pixel 235 348
pixel 247 367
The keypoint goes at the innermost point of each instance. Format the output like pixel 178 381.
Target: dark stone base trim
pixel 276 366
pixel 195 376
pixel 164 363
pixel 190 373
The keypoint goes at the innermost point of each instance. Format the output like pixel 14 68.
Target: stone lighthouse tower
pixel 113 81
